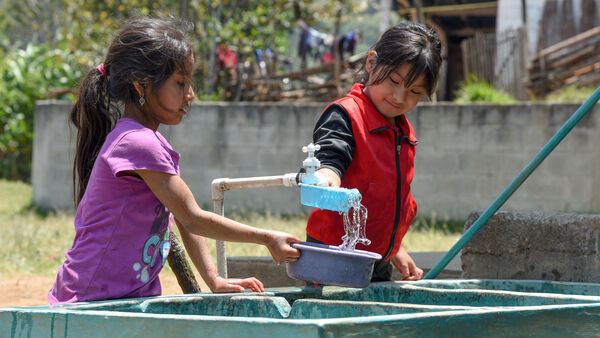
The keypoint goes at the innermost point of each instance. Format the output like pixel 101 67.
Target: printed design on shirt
pixel 155 244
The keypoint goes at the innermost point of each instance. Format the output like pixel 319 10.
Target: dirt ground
pixel 28 290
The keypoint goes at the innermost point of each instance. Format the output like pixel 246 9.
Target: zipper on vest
pixel 397 141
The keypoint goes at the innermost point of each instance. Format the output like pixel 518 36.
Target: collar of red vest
pixel 378 121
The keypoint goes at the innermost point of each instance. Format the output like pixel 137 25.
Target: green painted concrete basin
pixel 429 308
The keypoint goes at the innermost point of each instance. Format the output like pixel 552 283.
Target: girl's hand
pixel 406 265
pixel 279 246
pixel 328 177
pixel 220 284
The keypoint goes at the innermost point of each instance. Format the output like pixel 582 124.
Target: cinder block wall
pixel 215 140
pixel 534 245
pixel 467 154
pixel 53 151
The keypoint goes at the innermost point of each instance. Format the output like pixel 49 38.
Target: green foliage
pixel 571 94
pixel 26 76
pixel 88 26
pixel 249 26
pixel 476 90
pixel 323 12
pixel 46 44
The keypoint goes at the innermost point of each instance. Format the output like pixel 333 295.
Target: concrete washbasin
pixel 423 308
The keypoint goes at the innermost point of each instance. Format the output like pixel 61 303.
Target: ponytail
pixel 92 117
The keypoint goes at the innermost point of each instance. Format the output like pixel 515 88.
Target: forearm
pixel 177 197
pixel 209 224
pixel 199 252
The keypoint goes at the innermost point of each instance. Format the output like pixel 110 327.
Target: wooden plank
pixel 561 73
pixel 587 69
pixel 325 68
pixel 565 52
pixel 467 32
pixel 574 61
pixel 572 58
pixel 570 41
pixel 584 80
pixel 474 9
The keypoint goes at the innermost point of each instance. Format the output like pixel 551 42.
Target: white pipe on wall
pixel 220 185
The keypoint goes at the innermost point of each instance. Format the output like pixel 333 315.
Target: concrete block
pixel 263 268
pixel 534 245
pixel 53 149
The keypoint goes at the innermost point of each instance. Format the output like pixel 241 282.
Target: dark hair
pixel 408 42
pixel 148 50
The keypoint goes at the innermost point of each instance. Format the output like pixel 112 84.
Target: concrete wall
pixel 53 151
pixel 467 155
pixel 534 245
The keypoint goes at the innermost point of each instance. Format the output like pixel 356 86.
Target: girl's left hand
pixel 221 284
pixel 407 267
pixel 279 245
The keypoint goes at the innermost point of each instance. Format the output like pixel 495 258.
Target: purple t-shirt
pixel 123 231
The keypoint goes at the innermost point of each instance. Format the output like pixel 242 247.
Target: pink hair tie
pixel 102 70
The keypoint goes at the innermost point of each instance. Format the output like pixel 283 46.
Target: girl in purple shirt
pixel 128 189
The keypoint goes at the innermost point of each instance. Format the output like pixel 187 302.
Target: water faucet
pixel 311 164
pixel 313 194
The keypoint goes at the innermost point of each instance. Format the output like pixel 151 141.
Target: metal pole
pixel 515 184
pixel 384 12
pixel 420 14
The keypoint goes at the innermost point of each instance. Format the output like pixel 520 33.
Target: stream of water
pixel 355 223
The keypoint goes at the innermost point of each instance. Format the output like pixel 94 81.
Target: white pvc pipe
pixel 220 185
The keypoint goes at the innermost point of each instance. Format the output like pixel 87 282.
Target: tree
pixel 85 27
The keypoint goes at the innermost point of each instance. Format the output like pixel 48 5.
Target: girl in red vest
pixel 367 143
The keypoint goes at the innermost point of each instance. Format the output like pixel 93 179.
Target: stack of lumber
pixel 572 62
pixel 311 84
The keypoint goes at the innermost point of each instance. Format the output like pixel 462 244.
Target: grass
pixel 477 90
pixel 35 242
pixel 571 94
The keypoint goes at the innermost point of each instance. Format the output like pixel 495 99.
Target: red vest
pixel 382 170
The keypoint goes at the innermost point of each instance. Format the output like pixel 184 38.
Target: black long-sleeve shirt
pixel 333 132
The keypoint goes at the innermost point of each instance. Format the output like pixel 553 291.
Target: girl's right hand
pixel 328 177
pixel 220 284
pixel 279 246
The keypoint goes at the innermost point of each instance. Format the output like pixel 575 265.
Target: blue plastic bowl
pixel 329 265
